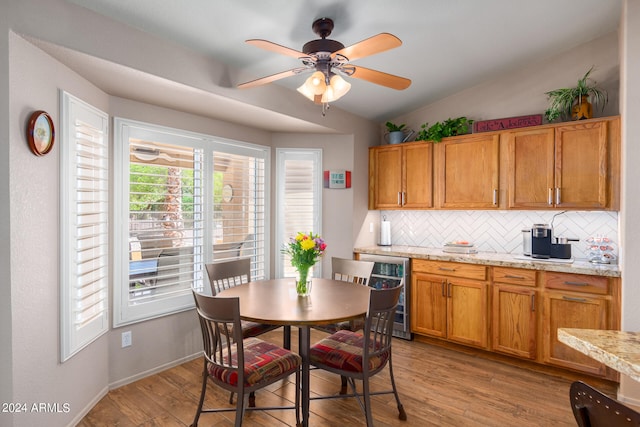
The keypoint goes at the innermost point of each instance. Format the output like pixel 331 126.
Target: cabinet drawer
pixel 578 283
pixel 453 269
pixel 514 276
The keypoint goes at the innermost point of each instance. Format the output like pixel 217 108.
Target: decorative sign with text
pixel 337 179
pixel 508 123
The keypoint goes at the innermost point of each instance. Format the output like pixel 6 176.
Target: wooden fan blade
pixel 380 78
pixel 269 79
pixel 274 47
pixel 372 45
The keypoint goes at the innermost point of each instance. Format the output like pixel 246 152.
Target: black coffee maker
pixel 541 241
pixel 542 246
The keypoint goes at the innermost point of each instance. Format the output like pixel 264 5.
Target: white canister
pixel 385 232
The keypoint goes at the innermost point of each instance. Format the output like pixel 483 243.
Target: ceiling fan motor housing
pixel 323 28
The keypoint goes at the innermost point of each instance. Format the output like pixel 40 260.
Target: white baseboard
pixel 80 415
pixel 155 370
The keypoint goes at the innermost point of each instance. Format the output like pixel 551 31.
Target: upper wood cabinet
pixel 400 176
pixel 570 166
pixel 467 172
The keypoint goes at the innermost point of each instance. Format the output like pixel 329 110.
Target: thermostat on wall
pixel 337 179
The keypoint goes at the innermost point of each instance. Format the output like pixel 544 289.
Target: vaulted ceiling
pixel 447 45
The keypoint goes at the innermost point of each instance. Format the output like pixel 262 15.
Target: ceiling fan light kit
pixel 327 59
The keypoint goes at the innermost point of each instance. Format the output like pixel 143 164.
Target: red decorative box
pixel 507 123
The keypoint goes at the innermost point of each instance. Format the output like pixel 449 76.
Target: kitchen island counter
pixel 578 266
pixel 617 349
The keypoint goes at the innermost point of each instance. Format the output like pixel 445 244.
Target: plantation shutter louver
pixel 239 208
pixel 299 201
pixel 85 225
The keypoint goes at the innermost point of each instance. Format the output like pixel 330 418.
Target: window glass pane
pixel 299 200
pixel 239 209
pixel 165 232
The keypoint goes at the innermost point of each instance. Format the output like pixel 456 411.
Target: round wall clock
pixel 40 133
pixel 227 193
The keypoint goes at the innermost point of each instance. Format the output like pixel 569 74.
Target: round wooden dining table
pixel 276 302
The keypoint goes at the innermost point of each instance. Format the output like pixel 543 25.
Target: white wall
pixel 630 226
pixel 37 375
pixel 522 92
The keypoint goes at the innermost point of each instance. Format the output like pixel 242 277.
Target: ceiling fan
pixel 328 59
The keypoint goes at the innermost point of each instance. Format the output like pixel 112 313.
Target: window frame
pixel 124 313
pixel 283 155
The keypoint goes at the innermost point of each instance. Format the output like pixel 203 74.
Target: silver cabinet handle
pixel 533 303
pixel 399 204
pixel 576 283
pixel 495 196
pixel 573 299
pixel 404 201
pixel 446 269
pixel 558 196
pixel 550 197
pixel 443 284
pixel 511 276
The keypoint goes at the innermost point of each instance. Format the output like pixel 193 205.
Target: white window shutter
pixel 299 200
pixel 84 224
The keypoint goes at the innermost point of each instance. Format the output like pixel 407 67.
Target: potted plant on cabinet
pixel 575 102
pixel 439 130
pixel 395 133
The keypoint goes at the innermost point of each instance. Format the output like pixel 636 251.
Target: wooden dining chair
pixel 592 408
pixel 352 271
pixel 361 355
pixel 226 274
pixel 240 365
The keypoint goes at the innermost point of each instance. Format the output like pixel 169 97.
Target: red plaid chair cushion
pixel 343 350
pixel 252 329
pixel 263 361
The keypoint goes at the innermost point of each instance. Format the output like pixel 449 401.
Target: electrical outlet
pixel 126 339
pixel 370 227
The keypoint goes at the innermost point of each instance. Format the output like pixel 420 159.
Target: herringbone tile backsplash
pixel 497 231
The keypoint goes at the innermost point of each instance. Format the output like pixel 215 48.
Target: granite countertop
pixel 578 266
pixel 616 349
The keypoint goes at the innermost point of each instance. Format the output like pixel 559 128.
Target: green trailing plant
pixel 561 101
pixel 439 130
pixel 392 127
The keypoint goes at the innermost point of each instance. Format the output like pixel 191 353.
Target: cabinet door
pixel 530 157
pixel 514 320
pixel 418 176
pixel 469 172
pixel 428 305
pixel 567 310
pixel 581 165
pixel 385 177
pixel 467 312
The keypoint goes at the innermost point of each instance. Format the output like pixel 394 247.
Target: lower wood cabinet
pixel 575 301
pixel 514 308
pixel 451 300
pixel 513 311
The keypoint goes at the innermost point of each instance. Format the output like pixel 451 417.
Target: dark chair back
pixel 379 324
pixel 350 270
pixel 226 274
pixel 592 408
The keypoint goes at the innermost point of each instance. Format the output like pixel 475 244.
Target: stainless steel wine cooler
pixel 388 272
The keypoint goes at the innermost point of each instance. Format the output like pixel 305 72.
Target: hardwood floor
pixel 437 386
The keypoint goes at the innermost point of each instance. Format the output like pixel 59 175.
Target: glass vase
pixel 303 285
